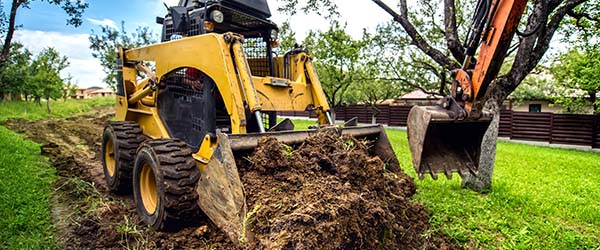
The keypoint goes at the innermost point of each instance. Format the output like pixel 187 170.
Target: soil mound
pixel 329 193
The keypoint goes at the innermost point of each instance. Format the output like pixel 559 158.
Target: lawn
pixel 32 111
pixel 26 177
pixel 542 198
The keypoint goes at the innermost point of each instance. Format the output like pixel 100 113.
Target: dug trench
pixel 328 193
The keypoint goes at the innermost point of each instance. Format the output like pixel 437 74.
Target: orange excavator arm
pixel 493 37
pixel 447 138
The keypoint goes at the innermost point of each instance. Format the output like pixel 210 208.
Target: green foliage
pixel 577 73
pixel 583 28
pixel 337 60
pixel 326 8
pixel 37 78
pixel 534 87
pixel 106 44
pixel 45 81
pixel 69 89
pixel 287 38
pixel 25 188
pixel 73 8
pixel 15 74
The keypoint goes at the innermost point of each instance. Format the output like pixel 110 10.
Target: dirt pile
pixel 330 193
pixel 326 194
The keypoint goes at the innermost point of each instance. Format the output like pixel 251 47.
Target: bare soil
pixel 328 193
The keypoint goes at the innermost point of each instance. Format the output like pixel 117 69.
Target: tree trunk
pixel 10 32
pixel 593 99
pixel 48 105
pixel 332 113
pixel 482 182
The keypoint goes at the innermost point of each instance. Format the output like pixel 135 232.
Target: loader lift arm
pixel 447 138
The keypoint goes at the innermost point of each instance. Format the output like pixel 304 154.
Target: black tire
pixel 175 174
pixel 123 138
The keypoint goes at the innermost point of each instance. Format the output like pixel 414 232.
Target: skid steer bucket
pixel 440 143
pixel 221 194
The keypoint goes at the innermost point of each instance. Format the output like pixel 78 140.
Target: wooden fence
pixel 583 130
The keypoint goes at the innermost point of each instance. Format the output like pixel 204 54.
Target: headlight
pixel 274 35
pixel 217 16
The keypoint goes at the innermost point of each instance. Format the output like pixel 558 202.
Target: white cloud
pixel 104 22
pixel 85 69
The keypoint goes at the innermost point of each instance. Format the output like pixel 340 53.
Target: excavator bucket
pixel 221 193
pixel 440 143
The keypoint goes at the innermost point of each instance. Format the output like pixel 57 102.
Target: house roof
pixel 98 91
pixel 418 94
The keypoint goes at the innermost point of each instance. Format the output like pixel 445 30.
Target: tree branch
pixel 416 38
pixel 11 30
pixel 451 33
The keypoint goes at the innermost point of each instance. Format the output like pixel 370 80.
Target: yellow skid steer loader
pixel 187 106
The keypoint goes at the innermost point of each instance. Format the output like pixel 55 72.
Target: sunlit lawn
pixel 26 177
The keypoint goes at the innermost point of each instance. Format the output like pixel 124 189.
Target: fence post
pixel 596 131
pixel 511 122
pixel 551 127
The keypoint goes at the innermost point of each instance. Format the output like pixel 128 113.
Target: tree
pixel 577 73
pixel 45 81
pixel 74 8
pixel 337 60
pixel 15 74
pixel 106 44
pixel 444 47
pixel 287 38
pixel 69 89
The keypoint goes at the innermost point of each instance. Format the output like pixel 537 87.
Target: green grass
pixel 542 198
pixel 26 177
pixel 25 188
pixel 32 111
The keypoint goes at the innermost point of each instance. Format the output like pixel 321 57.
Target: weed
pixel 349 145
pixel 248 220
pixel 287 150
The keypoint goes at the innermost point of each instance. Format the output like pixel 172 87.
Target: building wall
pixel 545 105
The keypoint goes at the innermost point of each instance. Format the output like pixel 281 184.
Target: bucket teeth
pixel 432 173
pixel 439 143
pixel 447 171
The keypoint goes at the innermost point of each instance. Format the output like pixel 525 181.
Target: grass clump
pixel 25 189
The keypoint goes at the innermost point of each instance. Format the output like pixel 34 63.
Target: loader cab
pixel 186 108
pixel 246 17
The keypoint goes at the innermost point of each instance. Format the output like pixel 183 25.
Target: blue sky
pixel 45 17
pixel 44 25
